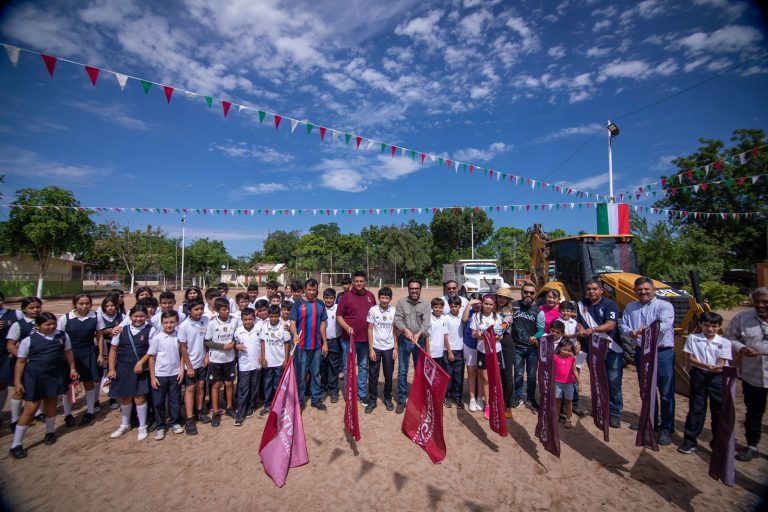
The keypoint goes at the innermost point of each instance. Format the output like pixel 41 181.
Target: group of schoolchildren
pixel 153 360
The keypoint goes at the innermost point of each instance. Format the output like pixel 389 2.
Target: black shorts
pixel 481 365
pixel 221 372
pixel 201 374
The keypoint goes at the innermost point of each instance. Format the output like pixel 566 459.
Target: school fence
pixel 25 285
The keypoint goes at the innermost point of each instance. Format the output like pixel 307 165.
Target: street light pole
pixel 183 225
pixel 613 131
pixel 472 232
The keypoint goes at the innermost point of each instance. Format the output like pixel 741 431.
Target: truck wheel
pixel 628 345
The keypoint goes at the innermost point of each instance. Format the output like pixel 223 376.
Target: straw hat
pixel 505 292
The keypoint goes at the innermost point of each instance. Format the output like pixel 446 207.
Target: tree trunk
pixel 132 282
pixel 39 293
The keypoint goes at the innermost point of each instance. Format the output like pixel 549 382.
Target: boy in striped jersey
pixel 308 319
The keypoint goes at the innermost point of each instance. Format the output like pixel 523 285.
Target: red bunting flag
pixel 422 158
pixel 168 90
pixel 322 133
pixel 394 148
pixel 50 63
pixel 449 163
pixel 358 140
pixel 93 73
pixel 277 121
pixel 225 105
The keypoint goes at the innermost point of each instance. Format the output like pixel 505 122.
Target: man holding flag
pixel 638 316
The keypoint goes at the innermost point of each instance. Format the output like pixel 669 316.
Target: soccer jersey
pixel 308 317
pixel 192 333
pixel 221 331
pixel 248 359
pixel 275 337
pixel 481 322
pixel 165 348
pixel 437 334
pixel 382 321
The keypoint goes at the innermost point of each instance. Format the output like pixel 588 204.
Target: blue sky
pixel 515 87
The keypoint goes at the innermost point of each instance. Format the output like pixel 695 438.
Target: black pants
pixel 455 371
pixel 247 388
pixel 704 386
pixel 170 391
pixel 508 372
pixel 754 400
pixel 383 358
pixel 330 366
pixel 271 378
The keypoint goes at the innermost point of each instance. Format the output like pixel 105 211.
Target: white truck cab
pixel 473 276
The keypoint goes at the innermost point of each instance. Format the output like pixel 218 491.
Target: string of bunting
pixel 367 143
pixel 742 181
pixel 332 212
pixel 696 173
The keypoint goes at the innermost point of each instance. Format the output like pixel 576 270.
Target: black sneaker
pixel 249 413
pixel 400 408
pixel 364 401
pixel 634 426
pixel 18 452
pixel 69 420
pixel 517 403
pixel 231 413
pixel 533 404
pixel 580 412
pixel 614 423
pixel 216 420
pixel 320 406
pixel 459 403
pixel 264 411
pixel 50 438
pixel 40 417
pixel 687 447
pixel 203 418
pixel 191 428
pixel 447 403
pixel 389 405
pixel 562 417
pixel 664 438
pixel 335 399
pixel 239 422
pixel 747 454
pixel 370 407
pixel 86 419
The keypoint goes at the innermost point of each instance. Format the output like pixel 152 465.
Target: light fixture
pixel 613 130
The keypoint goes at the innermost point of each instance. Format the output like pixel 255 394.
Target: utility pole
pixel 472 228
pixel 183 225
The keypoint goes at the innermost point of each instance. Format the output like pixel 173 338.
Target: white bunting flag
pixel 190 95
pixel 370 144
pixel 433 158
pixel 294 124
pixel 13 54
pixel 122 80
pixel 335 135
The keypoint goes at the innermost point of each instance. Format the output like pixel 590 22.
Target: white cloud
pixel 361 172
pixel 423 29
pixel 478 92
pixel 244 150
pixel 636 69
pixel 21 162
pixel 471 155
pixel 473 24
pixel 192 232
pixel 594 51
pixel 111 113
pixel 340 81
pixel 695 64
pixel 571 131
pixel 755 70
pixel 719 64
pixel 666 68
pixel 731 38
pixel 557 52
pixel 590 183
pixel 263 188
pixel 664 163
pixel 601 25
pixel 343 179
pixel 530 41
pixel 732 9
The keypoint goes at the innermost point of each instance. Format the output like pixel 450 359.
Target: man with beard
pixel 600 315
pixel 412 320
pixel 452 290
pixel 524 328
pixel 352 317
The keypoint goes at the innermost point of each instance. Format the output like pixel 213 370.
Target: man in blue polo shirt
pixel 600 315
pixel 308 318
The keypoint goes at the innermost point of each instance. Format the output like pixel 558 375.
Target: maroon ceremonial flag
pixel 495 390
pixel 351 422
pixel 722 464
pixel 598 381
pixel 283 445
pixel 546 427
pixel 649 349
pixel 423 421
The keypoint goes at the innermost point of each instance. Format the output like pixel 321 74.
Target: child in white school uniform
pixel 248 348
pixel 382 349
pixel 166 375
pixel 30 309
pixel 166 302
pixel 275 350
pixel 454 362
pixel 707 354
pixel 437 338
pixel 195 360
pixel 219 340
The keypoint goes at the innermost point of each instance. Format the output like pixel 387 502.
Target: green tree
pixel 557 233
pixel 312 252
pixel 205 257
pixel 44 232
pixel 328 231
pixel 408 254
pixel 452 230
pixel 281 247
pixel 510 246
pixel 745 239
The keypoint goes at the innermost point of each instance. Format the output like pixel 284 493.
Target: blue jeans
pixel 614 367
pixel 664 416
pixel 406 350
pixel 526 360
pixel 344 350
pixel 361 351
pixel 308 361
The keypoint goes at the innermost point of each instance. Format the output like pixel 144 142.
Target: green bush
pixel 720 296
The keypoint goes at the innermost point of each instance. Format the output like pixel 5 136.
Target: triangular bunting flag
pixel 262 115
pixel 322 133
pixel 225 105
pixel 294 124
pixel 13 54
pixel 50 63
pixel 358 140
pixel 209 101
pixel 146 85
pixel 277 121
pixel 168 90
pixel 93 73
pixel 334 136
pixel 348 137
pixel 309 128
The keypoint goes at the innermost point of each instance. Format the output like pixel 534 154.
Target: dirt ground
pixel 220 468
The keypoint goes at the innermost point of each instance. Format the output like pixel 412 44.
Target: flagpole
pixel 183 218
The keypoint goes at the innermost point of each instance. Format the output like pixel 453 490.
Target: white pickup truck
pixel 474 276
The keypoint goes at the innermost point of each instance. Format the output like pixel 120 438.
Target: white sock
pixel 125 415
pixel 18 436
pixel 66 404
pixel 90 400
pixel 141 412
pixel 50 425
pixel 3 398
pixel 752 447
pixel 15 410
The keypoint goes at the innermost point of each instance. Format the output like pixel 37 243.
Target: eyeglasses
pixel 528 293
pixel 451 289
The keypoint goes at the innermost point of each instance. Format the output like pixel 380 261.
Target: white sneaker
pixel 121 431
pixel 472 405
pixel 159 434
pixel 480 404
pixel 144 433
pixel 177 429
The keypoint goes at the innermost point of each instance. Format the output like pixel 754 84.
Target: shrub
pixel 720 296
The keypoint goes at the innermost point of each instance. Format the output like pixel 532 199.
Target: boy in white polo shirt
pixel 166 375
pixel 454 362
pixel 219 340
pixel 707 353
pixel 248 348
pixel 275 350
pixel 382 349
pixel 192 345
pixel 437 339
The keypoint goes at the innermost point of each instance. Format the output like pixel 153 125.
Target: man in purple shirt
pixel 352 316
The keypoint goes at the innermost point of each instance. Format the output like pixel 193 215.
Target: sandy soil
pixel 220 468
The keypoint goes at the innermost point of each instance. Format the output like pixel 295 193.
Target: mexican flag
pixel 612 219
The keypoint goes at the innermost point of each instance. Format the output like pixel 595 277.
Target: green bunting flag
pixel 309 128
pixel 347 137
pixel 262 115
pixel 209 101
pixel 146 85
